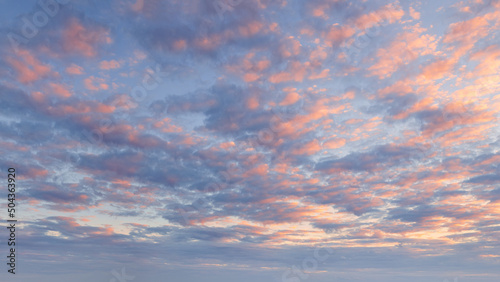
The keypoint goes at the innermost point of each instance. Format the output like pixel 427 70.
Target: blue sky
pixel 203 140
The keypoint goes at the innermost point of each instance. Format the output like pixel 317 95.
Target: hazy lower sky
pixel 252 140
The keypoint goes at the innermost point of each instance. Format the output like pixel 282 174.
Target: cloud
pixel 83 40
pixel 95 83
pixel 261 141
pixel 29 69
pixel 108 65
pixel 402 50
pixel 59 90
pixel 74 69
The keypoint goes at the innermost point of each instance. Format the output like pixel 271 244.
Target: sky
pixel 256 140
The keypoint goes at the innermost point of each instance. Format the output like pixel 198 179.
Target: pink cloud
pixel 389 13
pixel 338 34
pixel 318 54
pixel 209 42
pixel 74 69
pixel 309 148
pixel 179 45
pixel 249 68
pixel 290 99
pixel 250 77
pixel 28 67
pixel 290 47
pixel 111 64
pixel 414 14
pixel 167 126
pixel 334 143
pixel 252 103
pixel 324 73
pixel 33 173
pixel 438 69
pixel 138 6
pixel 250 29
pixel 465 34
pixel 77 38
pixel 260 170
pixel 489 61
pixel 405 48
pixel 60 90
pixel 295 71
pixel 81 107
